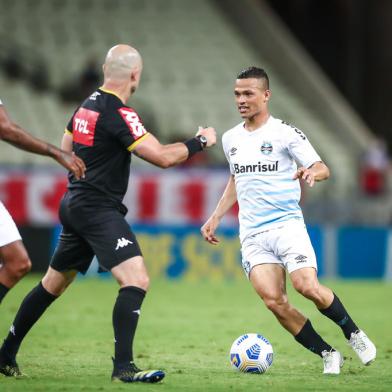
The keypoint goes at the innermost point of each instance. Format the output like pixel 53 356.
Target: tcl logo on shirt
pixel 133 122
pixel 84 123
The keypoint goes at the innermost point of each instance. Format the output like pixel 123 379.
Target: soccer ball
pixel 251 353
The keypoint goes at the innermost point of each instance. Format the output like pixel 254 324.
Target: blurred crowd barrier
pixel 166 210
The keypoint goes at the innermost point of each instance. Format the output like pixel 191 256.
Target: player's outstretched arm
pixel 227 201
pixel 317 172
pixel 15 135
pixel 167 155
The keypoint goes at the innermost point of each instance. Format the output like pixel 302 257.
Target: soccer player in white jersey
pixel 263 153
pixel 14 260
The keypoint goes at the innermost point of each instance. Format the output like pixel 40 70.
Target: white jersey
pixel 263 163
pixel 1 102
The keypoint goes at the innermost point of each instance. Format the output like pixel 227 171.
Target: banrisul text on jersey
pixel 266 167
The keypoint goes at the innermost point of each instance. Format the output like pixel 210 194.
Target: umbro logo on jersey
pixel 266 148
pixel 233 151
pixel 266 167
pixel 301 259
pixel 122 242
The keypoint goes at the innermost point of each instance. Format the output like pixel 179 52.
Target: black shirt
pixel 105 131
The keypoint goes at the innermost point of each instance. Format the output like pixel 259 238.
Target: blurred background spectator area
pixel 329 70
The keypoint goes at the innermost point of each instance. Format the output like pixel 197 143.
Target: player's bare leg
pixel 56 282
pixel 32 308
pixel 133 279
pixel 269 281
pixel 305 282
pixel 14 264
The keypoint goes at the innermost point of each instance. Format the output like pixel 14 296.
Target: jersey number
pixel 300 133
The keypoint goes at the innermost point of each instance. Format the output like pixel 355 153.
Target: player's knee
pixel 276 305
pixel 144 282
pixel 25 266
pixel 308 289
pixel 20 267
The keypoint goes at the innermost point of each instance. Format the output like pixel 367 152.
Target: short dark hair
pixel 254 72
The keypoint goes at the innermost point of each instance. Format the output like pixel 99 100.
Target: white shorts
pixel 8 230
pixel 287 245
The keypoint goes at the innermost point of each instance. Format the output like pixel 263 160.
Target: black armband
pixel 193 145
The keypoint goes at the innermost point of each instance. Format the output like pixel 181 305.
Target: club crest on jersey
pixel 266 148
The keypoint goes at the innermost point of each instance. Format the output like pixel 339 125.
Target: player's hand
pixel 208 230
pixel 72 163
pixel 305 174
pixel 209 133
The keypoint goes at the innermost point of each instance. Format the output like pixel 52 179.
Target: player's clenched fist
pixel 209 133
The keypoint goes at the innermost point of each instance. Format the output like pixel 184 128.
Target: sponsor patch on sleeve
pixel 84 124
pixel 133 122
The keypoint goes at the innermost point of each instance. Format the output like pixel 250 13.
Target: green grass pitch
pixel 187 328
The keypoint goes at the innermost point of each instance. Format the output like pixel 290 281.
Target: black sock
pixel 31 309
pixel 337 313
pixel 3 291
pixel 311 340
pixel 126 313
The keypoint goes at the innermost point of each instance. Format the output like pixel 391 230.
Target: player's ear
pixel 267 95
pixel 134 75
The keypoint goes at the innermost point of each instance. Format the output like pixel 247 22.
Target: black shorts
pixel 92 229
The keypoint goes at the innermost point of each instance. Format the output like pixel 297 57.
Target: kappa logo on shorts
pixel 122 242
pixel 301 259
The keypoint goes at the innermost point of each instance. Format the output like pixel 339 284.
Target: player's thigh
pixel 131 272
pixel 304 277
pixel 269 281
pixel 56 282
pixel 72 252
pixel 111 239
pixel 13 253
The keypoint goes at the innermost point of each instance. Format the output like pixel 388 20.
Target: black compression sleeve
pixel 193 145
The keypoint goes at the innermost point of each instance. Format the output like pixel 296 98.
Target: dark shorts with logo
pixel 91 229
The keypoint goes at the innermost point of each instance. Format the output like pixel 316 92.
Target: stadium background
pixel 329 63
pixel 51 52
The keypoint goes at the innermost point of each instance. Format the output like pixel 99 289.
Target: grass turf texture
pixel 187 329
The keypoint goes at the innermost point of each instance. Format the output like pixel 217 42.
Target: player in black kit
pixel 104 132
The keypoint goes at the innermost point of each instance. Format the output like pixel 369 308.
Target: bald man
pixel 14 259
pixel 104 132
